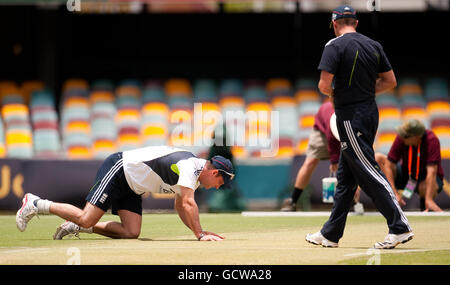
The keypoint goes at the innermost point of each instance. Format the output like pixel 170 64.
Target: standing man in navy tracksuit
pixel 353 69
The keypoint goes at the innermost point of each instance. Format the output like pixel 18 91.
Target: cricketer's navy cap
pixel 343 11
pixel 225 168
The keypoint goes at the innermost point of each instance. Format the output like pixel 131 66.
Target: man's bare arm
pixel 187 209
pixel 325 82
pixel 386 81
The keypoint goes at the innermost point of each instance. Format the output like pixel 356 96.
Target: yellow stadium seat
pixel 391 113
pixel 128 114
pixel 79 152
pixel 445 153
pixel 386 137
pixel 104 144
pixel 208 106
pixel 232 101
pixel 102 148
pixel 301 146
pixel 306 121
pixel 78 126
pixel 2 150
pixel 102 152
pixel 441 106
pixel 414 112
pixel 154 130
pixel 14 109
pixel 285 152
pixel 14 137
pixel 441 130
pixel 156 107
pixel 238 152
pixel 259 106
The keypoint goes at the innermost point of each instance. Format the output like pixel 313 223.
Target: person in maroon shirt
pixel 322 145
pixel 402 167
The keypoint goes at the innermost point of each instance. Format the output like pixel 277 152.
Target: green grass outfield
pixel 165 240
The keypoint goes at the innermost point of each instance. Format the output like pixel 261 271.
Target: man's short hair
pixel 347 21
pixel 411 128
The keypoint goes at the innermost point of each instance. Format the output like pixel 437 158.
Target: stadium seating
pixel 2 140
pixel 128 118
pixel 154 125
pixel 18 132
pixel 96 119
pixel 45 123
pixel 232 105
pixel 284 103
pixel 103 124
pixel 75 120
pixel 308 104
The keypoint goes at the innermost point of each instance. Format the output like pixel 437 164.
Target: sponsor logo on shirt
pixel 166 191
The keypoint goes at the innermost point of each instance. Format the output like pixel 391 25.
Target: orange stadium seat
pixel 178 86
pixel 75 83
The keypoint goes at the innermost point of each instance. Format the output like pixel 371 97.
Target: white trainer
pixel 67 228
pixel 26 212
pixel 319 239
pixel 393 240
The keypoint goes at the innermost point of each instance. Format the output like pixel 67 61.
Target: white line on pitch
pixel 396 251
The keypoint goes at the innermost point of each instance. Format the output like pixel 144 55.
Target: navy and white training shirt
pixel 161 169
pixel 355 60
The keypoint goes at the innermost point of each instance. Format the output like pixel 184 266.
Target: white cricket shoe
pixel 319 239
pixel 393 240
pixel 67 228
pixel 26 212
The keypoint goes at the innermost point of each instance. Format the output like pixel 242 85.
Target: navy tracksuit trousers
pixel 357 127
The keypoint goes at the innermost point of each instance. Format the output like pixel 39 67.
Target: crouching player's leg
pixel 111 189
pixel 33 205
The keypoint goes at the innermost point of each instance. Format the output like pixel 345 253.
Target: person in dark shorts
pixel 424 175
pixel 120 182
pixel 353 69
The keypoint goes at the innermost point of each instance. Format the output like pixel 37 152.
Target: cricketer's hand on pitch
pixel 209 236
